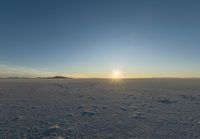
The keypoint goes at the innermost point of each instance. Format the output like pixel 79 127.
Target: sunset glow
pixel 116 74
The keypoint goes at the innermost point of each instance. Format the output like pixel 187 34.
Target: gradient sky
pixel 90 38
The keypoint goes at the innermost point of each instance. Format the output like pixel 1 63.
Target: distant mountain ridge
pixel 54 77
pixel 59 77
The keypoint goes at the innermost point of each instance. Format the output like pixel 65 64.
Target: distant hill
pixel 60 77
pixel 55 77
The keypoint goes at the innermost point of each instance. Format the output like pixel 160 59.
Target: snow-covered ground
pixel 100 108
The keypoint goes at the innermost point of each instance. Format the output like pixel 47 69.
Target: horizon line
pixel 64 77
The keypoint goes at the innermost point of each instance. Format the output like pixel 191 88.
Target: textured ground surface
pixel 100 109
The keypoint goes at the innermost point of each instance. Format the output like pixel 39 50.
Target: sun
pixel 116 73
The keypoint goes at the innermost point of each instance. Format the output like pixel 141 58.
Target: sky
pixel 91 38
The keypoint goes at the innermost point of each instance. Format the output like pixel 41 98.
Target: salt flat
pixel 100 108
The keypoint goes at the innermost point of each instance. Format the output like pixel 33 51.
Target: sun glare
pixel 116 74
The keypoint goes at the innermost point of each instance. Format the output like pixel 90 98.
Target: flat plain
pixel 99 109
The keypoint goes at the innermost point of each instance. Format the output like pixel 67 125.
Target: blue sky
pixel 157 38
